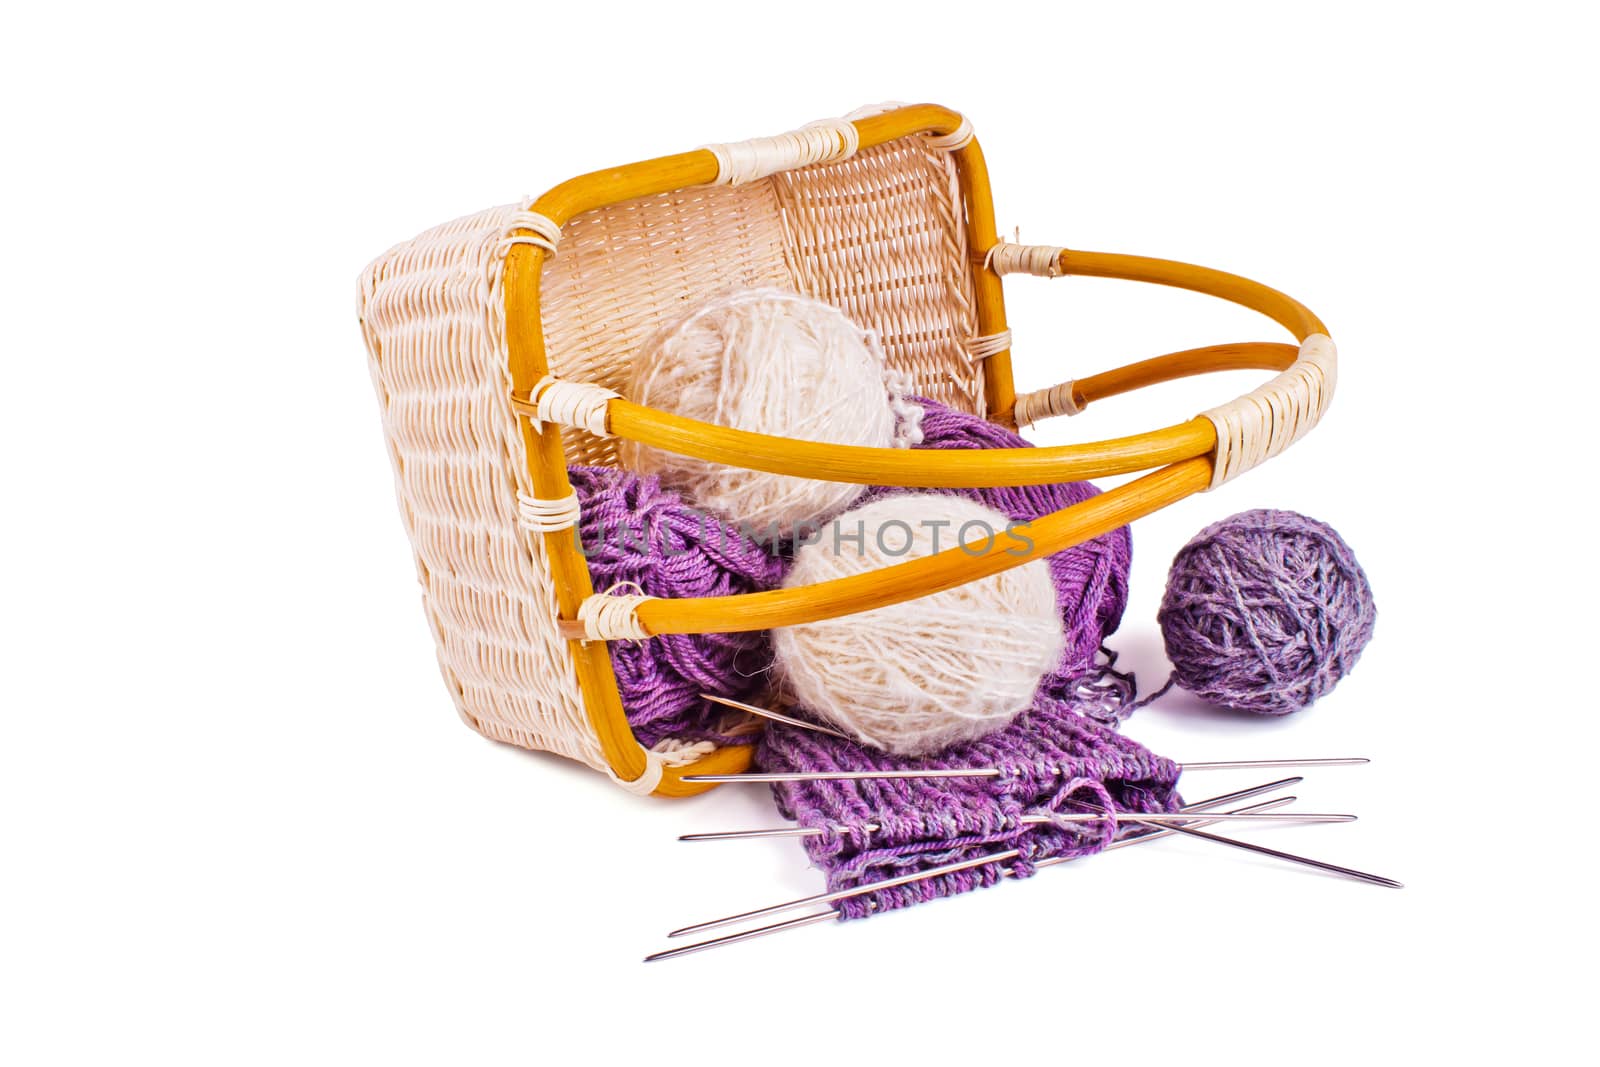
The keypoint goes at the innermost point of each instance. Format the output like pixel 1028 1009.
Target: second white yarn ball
pixel 924 674
pixel 772 362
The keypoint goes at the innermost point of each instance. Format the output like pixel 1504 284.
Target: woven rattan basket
pixel 496 342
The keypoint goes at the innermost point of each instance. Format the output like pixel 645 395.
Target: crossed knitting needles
pixel 1187 821
pixel 1199 812
pixel 957 772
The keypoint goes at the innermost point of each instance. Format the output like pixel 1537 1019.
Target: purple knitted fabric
pixel 1091 579
pixel 634 531
pixel 1265 611
pixel 1053 760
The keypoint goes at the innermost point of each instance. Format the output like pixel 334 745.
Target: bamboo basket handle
pixel 611 617
pixel 967 469
pixel 1200 454
pixel 1072 396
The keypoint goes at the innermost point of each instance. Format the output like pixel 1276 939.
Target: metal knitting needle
pixel 1290 857
pixel 768 713
pixel 1204 807
pixel 833 914
pixel 733 939
pixel 1201 820
pixel 993 772
pixel 890 883
pixel 812 831
pixel 840 894
pixel 1055 818
pixel 968 772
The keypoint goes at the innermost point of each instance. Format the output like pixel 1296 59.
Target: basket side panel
pixel 882 236
pixel 624 271
pixel 433 314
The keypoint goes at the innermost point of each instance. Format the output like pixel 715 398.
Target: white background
pixel 240 820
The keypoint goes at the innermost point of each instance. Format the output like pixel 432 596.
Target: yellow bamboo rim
pixel 1182 451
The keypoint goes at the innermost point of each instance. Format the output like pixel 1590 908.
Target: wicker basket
pixel 495 357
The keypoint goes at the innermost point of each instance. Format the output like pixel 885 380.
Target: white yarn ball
pixel 772 362
pixel 921 675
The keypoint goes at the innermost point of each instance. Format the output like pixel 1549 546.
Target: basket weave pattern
pixel 881 236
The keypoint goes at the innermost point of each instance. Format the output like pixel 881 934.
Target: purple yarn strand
pixel 634 531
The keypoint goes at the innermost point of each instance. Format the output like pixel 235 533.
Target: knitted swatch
pixel 635 532
pixel 1091 579
pixel 1052 760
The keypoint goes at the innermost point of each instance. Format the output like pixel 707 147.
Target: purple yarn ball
pixel 1091 579
pixel 634 531
pixel 1265 611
